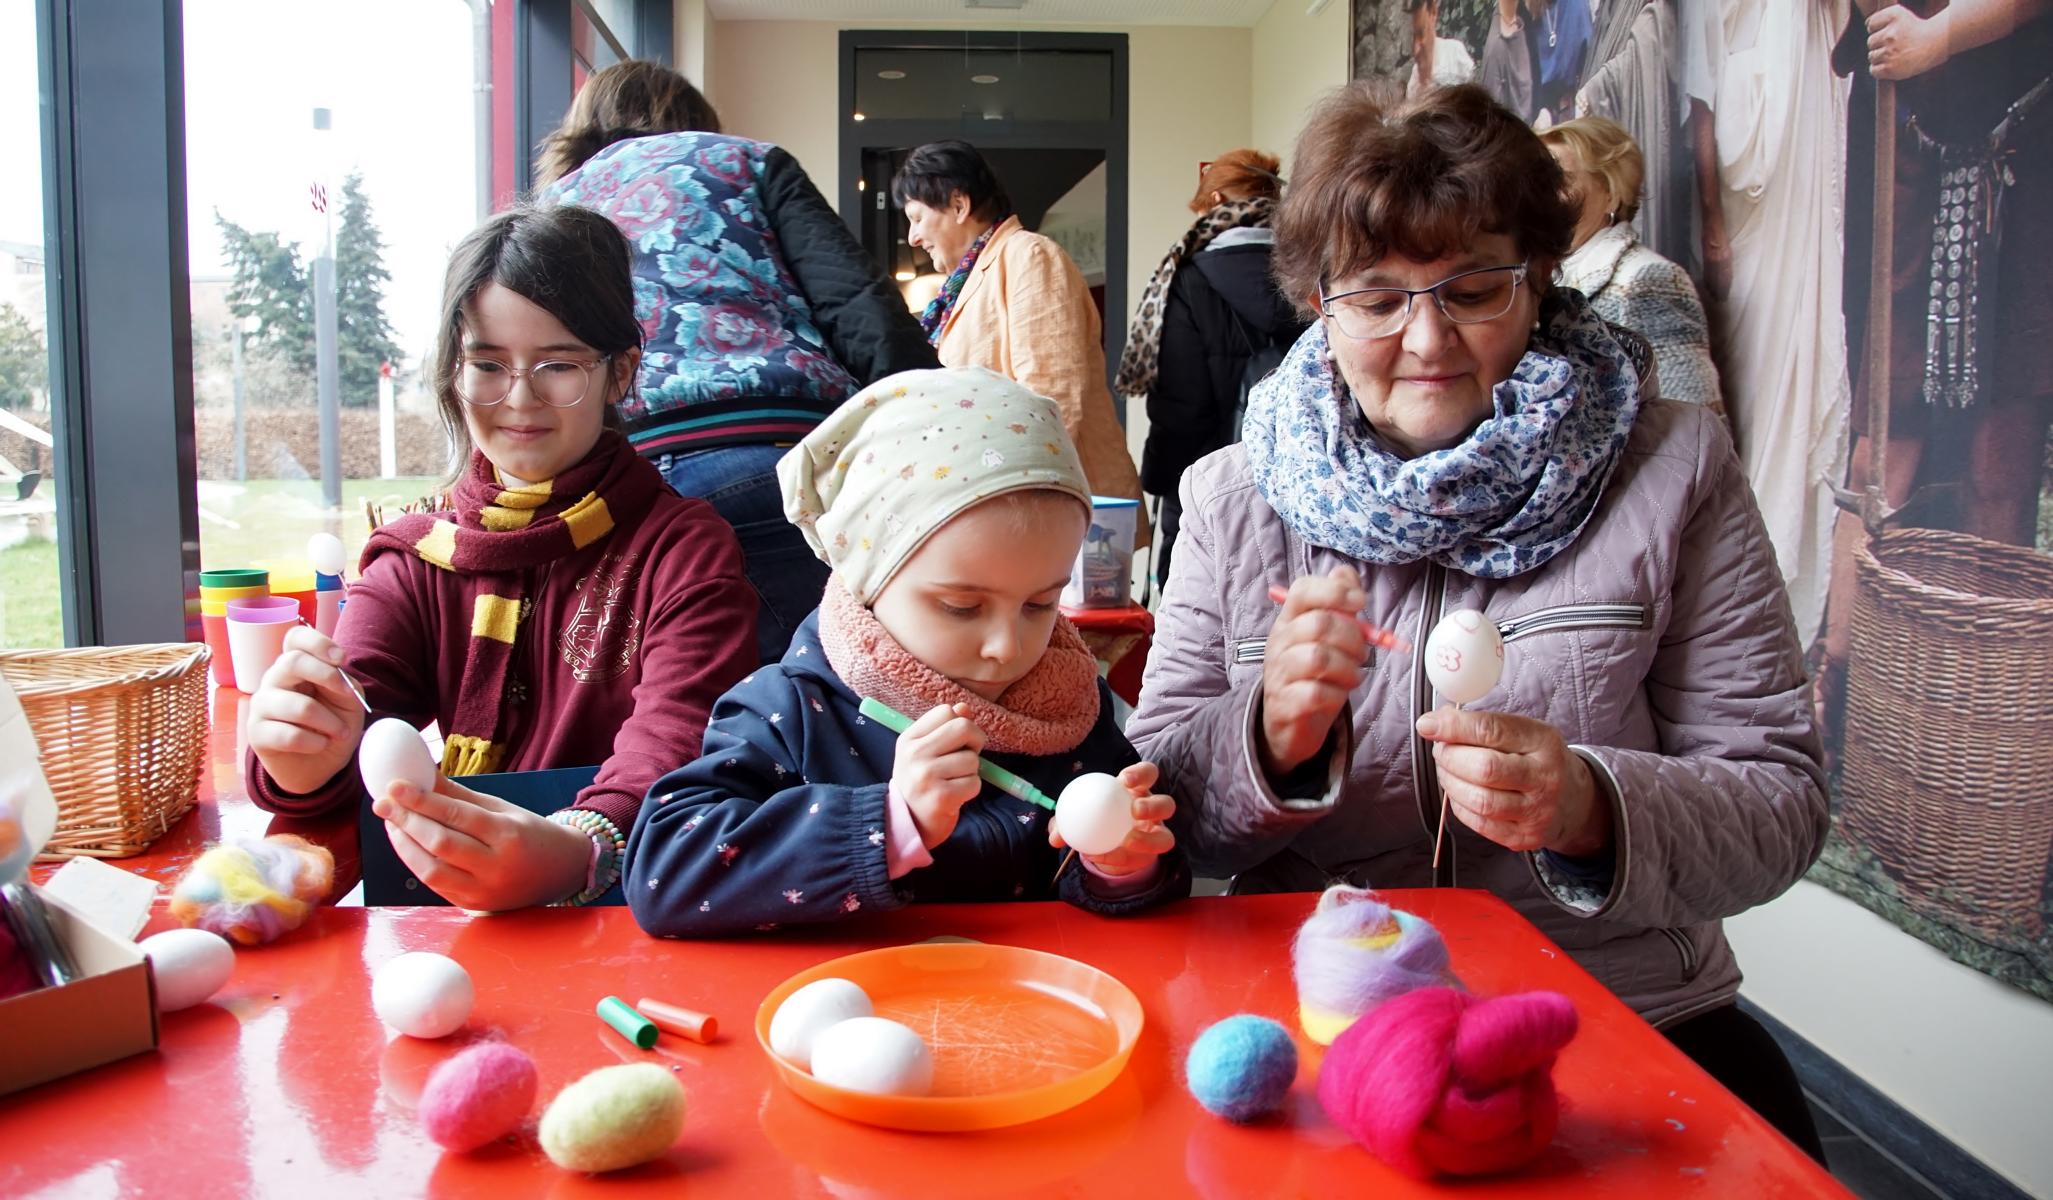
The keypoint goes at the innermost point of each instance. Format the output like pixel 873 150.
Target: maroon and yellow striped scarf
pixel 494 536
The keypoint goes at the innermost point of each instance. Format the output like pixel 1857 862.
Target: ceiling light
pixel 903 276
pixel 893 74
pixel 858 116
pixel 983 79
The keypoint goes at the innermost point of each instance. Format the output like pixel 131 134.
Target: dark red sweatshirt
pixel 628 643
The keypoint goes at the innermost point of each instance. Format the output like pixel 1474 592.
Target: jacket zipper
pixel 1574 616
pixel 1425 779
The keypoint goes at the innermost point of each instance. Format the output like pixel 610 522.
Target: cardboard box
pixel 108 1014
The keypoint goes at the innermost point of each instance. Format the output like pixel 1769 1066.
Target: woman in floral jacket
pixel 760 311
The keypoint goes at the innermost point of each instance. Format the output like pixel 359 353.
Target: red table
pixel 287 1085
pixel 1120 638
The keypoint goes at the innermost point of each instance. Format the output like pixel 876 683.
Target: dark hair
pixel 629 99
pixel 1423 181
pixel 1249 174
pixel 935 172
pixel 570 262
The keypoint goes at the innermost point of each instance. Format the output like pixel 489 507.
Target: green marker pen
pixel 997 776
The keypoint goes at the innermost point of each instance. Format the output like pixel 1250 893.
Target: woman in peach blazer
pixel 1014 303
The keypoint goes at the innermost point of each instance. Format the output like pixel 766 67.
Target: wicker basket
pixel 121 731
pixel 1949 726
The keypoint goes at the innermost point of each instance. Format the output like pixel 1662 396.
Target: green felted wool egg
pixel 613 1118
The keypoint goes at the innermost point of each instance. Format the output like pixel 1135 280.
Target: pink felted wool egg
pixel 479 1096
pixel 1438 1082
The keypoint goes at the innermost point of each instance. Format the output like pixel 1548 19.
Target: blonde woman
pixel 1627 283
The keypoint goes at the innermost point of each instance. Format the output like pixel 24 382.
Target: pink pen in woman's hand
pixel 1378 636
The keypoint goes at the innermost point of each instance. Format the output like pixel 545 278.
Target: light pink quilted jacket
pixel 1660 644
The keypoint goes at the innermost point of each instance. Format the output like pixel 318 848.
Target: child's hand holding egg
pixel 1116 823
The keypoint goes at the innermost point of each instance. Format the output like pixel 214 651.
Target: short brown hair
pixel 1422 180
pixel 1250 174
pixel 1606 150
pixel 629 99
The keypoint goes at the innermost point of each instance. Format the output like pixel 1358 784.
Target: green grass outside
pixel 242 523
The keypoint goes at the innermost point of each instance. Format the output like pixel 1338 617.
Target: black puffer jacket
pixel 1223 306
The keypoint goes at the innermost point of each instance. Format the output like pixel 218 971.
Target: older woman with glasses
pixel 1453 433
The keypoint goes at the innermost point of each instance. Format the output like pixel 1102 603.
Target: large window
pixel 235 259
pixel 31 599
pixel 342 192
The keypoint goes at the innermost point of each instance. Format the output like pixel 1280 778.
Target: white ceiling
pixel 1034 12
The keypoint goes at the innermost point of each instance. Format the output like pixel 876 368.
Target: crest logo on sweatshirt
pixel 599 642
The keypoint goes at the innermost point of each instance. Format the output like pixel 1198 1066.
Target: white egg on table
pixel 1464 656
pixel 809 1011
pixel 423 994
pixel 874 1055
pixel 392 750
pixel 324 550
pixel 190 965
pixel 1094 813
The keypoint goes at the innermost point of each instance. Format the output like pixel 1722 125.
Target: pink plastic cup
pixel 256 636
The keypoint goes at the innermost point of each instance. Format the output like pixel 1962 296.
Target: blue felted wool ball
pixel 1242 1067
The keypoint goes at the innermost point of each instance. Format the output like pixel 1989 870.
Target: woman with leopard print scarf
pixel 1209 310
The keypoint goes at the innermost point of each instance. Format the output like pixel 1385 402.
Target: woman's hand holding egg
pixel 1312 663
pixel 1146 838
pixel 304 723
pixel 1515 781
pixel 480 852
pixel 935 769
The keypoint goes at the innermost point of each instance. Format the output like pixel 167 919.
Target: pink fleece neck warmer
pixel 1050 711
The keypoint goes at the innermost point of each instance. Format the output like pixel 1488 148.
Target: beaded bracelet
pixel 608 849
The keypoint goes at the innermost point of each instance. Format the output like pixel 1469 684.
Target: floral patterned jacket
pixel 760 312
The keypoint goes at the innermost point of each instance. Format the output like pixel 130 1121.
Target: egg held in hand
pixel 1094 814
pixel 1464 656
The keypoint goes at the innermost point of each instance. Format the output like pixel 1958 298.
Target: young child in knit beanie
pixel 949 505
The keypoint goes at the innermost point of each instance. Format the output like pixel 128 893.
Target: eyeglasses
pixel 558 383
pixel 1469 298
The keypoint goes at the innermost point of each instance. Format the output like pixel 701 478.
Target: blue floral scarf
pixel 937 310
pixel 1506 500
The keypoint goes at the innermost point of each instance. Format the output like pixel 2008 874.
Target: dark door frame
pixel 1110 136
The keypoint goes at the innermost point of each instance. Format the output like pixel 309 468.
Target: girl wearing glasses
pixel 569 609
pixel 1454 432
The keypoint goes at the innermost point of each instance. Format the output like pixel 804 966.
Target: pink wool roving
pixel 1355 952
pixel 479 1096
pixel 1438 1082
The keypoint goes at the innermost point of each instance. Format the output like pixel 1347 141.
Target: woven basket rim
pixel 178 658
pixel 1974 600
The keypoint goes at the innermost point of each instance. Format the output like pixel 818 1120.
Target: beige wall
pixel 1966 1054
pixel 1296 59
pixel 692 42
pixel 779 81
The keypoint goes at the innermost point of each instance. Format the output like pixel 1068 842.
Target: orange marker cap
pixel 683 1022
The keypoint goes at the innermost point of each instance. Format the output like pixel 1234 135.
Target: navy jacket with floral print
pixel 760 312
pixel 781 820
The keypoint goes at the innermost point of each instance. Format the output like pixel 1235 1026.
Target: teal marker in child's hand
pixel 993 774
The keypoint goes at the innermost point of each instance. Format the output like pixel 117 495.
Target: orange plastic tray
pixel 1017 1034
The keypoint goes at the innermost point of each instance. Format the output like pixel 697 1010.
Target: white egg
pixel 423 995
pixel 190 965
pixel 810 1010
pixel 1094 813
pixel 324 550
pixel 392 750
pixel 1464 656
pixel 871 1054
